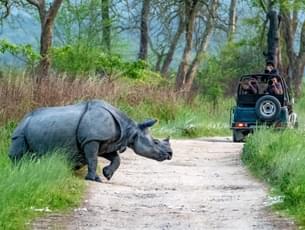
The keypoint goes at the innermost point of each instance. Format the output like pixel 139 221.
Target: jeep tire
pixel 238 136
pixel 268 108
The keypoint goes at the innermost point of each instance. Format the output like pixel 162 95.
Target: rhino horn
pixel 147 124
pixel 167 139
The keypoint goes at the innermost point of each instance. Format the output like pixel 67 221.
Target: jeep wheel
pixel 238 136
pixel 268 108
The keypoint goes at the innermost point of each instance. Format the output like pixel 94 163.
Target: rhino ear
pixel 147 124
pixel 167 139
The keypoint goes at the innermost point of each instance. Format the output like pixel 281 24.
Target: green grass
pixel 278 157
pixel 181 120
pixel 44 183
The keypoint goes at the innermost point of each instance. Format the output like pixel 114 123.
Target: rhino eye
pixel 156 141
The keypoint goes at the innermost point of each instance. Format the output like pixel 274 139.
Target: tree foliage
pixel 24 52
pixel 181 37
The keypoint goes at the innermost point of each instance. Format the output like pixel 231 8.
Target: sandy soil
pixel 204 186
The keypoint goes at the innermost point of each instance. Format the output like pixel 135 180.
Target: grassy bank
pixel 279 158
pixel 46 184
pixel 178 116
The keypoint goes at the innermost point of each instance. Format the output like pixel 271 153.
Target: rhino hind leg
pixel 114 159
pixel 91 153
pixel 18 148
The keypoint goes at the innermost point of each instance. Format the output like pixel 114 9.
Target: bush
pixel 83 60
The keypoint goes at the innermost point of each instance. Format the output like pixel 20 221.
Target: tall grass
pixel 279 159
pixel 177 116
pixel 46 184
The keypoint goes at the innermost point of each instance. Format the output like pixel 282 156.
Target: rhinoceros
pixel 86 130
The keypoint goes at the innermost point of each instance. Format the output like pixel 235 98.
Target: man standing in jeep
pixel 270 68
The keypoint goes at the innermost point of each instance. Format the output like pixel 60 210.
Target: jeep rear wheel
pixel 238 136
pixel 268 108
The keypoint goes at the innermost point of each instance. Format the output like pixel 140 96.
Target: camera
pixel 270 82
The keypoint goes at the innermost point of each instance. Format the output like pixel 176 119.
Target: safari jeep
pixel 260 108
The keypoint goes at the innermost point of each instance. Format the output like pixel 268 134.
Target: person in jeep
pixel 270 68
pixel 274 87
pixel 250 86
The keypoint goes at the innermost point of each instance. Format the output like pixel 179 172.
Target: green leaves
pixel 220 73
pixel 25 51
pixel 81 59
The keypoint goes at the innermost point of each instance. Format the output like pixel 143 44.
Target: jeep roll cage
pixel 243 100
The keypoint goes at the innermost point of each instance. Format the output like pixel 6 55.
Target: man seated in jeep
pixel 250 86
pixel 274 87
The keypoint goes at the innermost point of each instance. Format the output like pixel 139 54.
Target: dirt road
pixel 203 187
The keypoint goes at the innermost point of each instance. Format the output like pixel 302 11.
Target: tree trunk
pixel 158 62
pixel 47 18
pixel 170 54
pixel 296 62
pixel 106 22
pixel 144 39
pixel 45 45
pixel 232 20
pixel 187 71
pixel 193 68
pixel 191 9
pixel 272 54
pixel 298 74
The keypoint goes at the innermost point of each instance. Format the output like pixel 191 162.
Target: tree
pixel 106 23
pixel 144 36
pixel 47 14
pixel 232 20
pixel 166 28
pixel 5 8
pixel 296 57
pixel 188 68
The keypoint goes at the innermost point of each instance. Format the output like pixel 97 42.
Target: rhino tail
pixel 18 148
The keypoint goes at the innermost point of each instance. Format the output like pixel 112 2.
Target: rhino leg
pixel 91 153
pixel 114 159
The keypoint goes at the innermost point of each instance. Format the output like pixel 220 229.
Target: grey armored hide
pixel 71 127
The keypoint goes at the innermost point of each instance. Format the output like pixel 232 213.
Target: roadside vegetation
pixel 34 187
pixel 278 158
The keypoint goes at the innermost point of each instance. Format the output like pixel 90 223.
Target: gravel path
pixel 204 186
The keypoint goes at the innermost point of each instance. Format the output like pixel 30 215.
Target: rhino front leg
pixel 114 159
pixel 91 152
